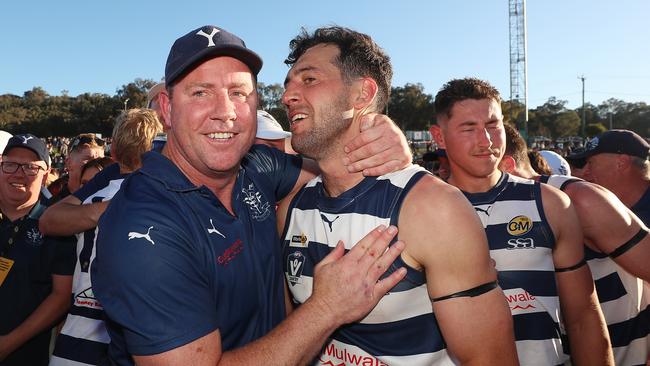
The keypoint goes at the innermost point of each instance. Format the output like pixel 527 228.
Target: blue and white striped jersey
pixel 83 339
pixel 521 243
pixel 401 329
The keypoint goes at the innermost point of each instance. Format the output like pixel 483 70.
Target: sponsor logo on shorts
pixel 520 225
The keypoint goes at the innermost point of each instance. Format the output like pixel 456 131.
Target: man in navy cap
pixel 618 161
pixel 35 271
pixel 188 257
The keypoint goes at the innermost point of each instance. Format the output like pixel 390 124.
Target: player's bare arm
pixel 584 321
pixel 446 240
pixel 611 228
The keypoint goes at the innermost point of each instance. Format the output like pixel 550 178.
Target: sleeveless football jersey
pixel 83 339
pixel 521 243
pixel 401 329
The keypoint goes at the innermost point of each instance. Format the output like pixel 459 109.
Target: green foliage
pixel 43 115
pixel 553 119
pixel 409 106
pixel 270 100
pixel 594 129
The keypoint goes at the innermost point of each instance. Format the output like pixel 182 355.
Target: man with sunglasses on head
pixel 35 271
pixel 82 148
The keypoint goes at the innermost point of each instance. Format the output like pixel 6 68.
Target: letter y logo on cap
pixel 208 36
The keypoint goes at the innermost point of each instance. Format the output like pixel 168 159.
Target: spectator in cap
pixel 555 161
pixel 35 271
pixel 618 161
pixel 199 220
pixel 270 132
pixel 617 247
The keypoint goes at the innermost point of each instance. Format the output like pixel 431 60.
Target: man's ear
pixel 507 164
pixel 365 93
pixel 164 100
pixel 623 161
pixel 437 135
pixel 44 180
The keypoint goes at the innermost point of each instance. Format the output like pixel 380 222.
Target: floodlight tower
pixel 518 64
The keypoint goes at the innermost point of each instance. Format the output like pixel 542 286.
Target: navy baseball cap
pixel 31 142
pixel 203 43
pixel 615 142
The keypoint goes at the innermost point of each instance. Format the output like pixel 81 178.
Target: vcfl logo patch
pixel 295 265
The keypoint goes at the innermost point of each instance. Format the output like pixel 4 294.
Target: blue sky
pixel 98 46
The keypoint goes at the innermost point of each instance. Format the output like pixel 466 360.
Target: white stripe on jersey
pixel 540 258
pixel 341 229
pixel 58 361
pixel 540 353
pixel 394 306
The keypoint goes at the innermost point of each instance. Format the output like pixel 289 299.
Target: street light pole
pixel 582 78
pixel 125 103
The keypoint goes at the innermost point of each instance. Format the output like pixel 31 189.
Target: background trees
pixel 42 114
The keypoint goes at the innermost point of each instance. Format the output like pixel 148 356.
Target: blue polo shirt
pixel 173 264
pixel 29 282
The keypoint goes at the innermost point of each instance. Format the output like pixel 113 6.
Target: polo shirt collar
pixel 160 168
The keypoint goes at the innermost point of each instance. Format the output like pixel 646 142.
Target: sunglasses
pixel 85 140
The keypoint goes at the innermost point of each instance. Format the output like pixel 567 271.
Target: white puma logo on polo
pixel 213 230
pixel 208 36
pixel 136 235
pixel 26 138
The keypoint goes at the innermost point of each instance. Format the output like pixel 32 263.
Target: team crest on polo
pixel 34 237
pixel 260 208
pixel 520 225
pixel 295 265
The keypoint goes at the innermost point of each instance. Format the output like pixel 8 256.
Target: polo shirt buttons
pixel 16 228
pixel 10 241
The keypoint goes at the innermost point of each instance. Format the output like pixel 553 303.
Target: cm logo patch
pixel 520 225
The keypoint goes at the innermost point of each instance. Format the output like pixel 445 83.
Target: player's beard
pixel 327 125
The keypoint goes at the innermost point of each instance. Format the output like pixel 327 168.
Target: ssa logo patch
pixel 295 265
pixel 520 225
